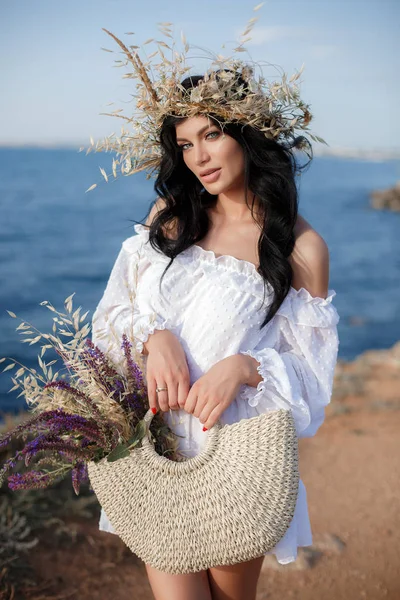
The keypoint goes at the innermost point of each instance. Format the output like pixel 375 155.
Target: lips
pixel 212 176
pixel 208 172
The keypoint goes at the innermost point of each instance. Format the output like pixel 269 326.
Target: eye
pixel 212 133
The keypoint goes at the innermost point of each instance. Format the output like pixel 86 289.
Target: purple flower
pixel 63 385
pixel 88 427
pixel 97 362
pixel 29 426
pixel 79 474
pixel 68 440
pixel 56 445
pixel 134 372
pixel 28 481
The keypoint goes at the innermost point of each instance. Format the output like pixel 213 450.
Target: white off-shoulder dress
pixel 213 304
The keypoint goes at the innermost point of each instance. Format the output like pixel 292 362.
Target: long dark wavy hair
pixel 270 171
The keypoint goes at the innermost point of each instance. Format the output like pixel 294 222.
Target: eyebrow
pixel 198 133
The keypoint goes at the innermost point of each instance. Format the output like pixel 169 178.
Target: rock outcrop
pixel 386 199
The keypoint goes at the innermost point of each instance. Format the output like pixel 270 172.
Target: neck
pixel 231 205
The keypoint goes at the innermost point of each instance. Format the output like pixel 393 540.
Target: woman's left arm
pixel 296 360
pixel 291 367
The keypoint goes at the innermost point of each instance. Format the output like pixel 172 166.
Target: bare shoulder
pixel 310 260
pixel 158 205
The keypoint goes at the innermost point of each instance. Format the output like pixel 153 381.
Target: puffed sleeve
pixel 121 309
pixel 297 358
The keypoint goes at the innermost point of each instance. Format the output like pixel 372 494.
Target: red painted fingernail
pixel 154 410
pixel 205 429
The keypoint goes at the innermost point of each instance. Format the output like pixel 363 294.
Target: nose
pixel 201 155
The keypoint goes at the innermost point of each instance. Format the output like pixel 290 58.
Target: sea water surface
pixel 55 240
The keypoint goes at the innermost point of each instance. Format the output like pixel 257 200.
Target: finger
pixel 183 391
pixel 191 400
pixel 162 397
pixel 210 420
pixel 151 392
pixel 201 406
pixel 172 394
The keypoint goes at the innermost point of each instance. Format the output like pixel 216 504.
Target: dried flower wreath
pixel 274 108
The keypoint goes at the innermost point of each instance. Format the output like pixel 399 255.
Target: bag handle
pixel 187 465
pixel 149 416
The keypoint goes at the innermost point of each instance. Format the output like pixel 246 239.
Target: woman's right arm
pixel 166 367
pixel 166 363
pixel 116 314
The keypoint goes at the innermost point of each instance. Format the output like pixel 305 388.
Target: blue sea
pixel 55 240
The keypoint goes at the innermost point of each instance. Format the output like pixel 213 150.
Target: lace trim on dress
pixel 283 391
pixel 146 326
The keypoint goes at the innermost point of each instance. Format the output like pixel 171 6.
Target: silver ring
pixel 161 389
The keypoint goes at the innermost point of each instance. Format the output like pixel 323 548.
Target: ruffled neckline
pixel 208 256
pixel 248 268
pixel 227 260
pixel 241 266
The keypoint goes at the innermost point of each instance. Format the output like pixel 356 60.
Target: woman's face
pixel 206 149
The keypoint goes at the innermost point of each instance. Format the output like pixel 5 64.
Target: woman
pixel 241 321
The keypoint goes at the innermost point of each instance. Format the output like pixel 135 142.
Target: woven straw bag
pixel 230 503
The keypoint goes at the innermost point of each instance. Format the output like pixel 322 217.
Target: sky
pixel 56 80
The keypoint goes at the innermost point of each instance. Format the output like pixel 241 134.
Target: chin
pixel 216 188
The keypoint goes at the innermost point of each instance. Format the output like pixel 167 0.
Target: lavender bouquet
pixel 90 412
